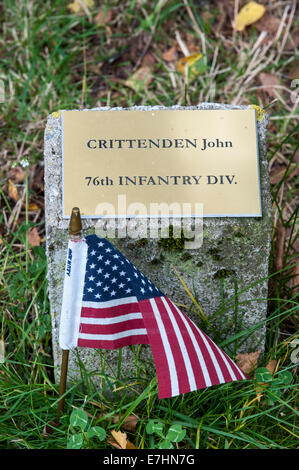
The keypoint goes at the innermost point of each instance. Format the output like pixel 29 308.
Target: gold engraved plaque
pixel 135 163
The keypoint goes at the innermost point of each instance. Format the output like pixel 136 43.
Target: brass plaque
pixel 134 163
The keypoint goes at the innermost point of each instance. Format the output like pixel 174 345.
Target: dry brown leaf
pixel 248 361
pixel 148 60
pixel 141 78
pixel 13 191
pixel 33 237
pixel 78 6
pixel 17 174
pixel 170 55
pixel 268 23
pixel 276 173
pixel 120 440
pixel 271 366
pixel 104 16
pixel 48 428
pixel 249 14
pixel 293 41
pixel 130 422
pixel 269 82
pixel 294 71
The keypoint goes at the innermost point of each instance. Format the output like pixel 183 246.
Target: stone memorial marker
pixel 210 156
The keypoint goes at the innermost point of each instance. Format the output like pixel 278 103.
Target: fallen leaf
pixel 191 43
pixel 249 14
pixel 294 71
pixel 271 366
pixel 276 173
pixel 78 5
pixel 120 441
pixel 148 60
pixel 192 64
pixel 130 422
pixel 17 174
pixel 120 438
pixel 170 55
pixel 33 207
pixel 13 191
pixel 269 82
pixel 33 237
pixel 248 361
pixel 293 41
pixel 142 77
pixel 48 428
pixel 104 16
pixel 268 23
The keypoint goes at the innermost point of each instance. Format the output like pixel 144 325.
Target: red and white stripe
pixel 112 324
pixel 186 359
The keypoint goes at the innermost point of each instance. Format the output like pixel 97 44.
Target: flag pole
pixel 75 233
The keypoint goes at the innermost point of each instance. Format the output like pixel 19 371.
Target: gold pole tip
pixel 75 222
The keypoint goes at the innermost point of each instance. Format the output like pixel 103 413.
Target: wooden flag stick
pixel 62 384
pixel 75 233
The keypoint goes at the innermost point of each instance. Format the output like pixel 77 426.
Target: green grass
pixel 52 59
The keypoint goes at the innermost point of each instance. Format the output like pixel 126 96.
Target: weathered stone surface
pixel 227 273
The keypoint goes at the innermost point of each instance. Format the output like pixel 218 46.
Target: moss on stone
pixel 215 253
pixel 141 242
pixel 186 256
pixel 223 273
pixel 171 243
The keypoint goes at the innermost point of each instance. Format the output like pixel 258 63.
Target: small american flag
pixel 108 303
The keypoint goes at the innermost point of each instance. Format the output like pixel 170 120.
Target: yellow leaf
pixel 78 5
pixel 120 440
pixel 250 13
pixel 13 191
pixel 190 64
pixel 32 206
